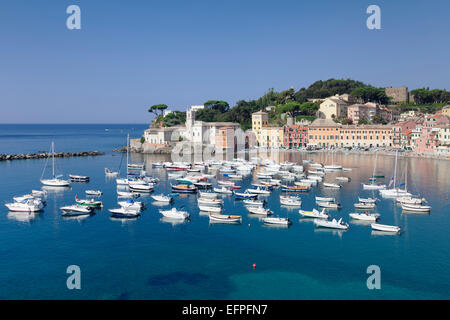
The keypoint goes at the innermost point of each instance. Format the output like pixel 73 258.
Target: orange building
pixel 225 138
pixel 323 133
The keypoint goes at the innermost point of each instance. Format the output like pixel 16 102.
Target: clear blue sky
pixel 132 54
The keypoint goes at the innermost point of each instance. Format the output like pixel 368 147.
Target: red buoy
pixel 254 266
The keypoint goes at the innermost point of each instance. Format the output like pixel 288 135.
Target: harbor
pixel 290 250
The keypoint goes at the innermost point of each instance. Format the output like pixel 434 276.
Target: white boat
pixel 314 214
pixel 203 184
pixel 259 211
pixel 365 205
pixel 331 185
pixel 365 216
pixel 333 224
pixel 345 179
pixel 385 228
pixel 235 176
pixel 78 178
pixel 277 220
pixel 373 186
pixel 210 209
pixel 174 214
pixel 124 213
pixel 308 182
pixel 175 175
pixel 316 165
pixel 315 178
pixel 76 209
pixel 330 205
pixel 291 202
pixel 111 173
pixel 209 202
pixel 415 207
pixel 396 192
pixel 223 190
pixel 315 172
pixel 367 200
pixel 124 194
pixel 325 199
pixel 225 183
pixel 29 205
pixel 224 218
pixel 258 191
pixel 208 195
pixel 146 188
pixel 253 202
pixel 25 197
pixel 410 200
pixel 97 193
pixel 130 205
pixel 347 169
pixel 162 198
pixel 55 181
pixel 122 181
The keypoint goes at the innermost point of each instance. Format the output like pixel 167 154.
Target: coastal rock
pixel 44 155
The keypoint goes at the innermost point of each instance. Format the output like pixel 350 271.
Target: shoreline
pixel 46 155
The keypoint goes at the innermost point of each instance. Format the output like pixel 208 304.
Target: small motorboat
pixel 210 209
pixel 78 178
pixel 138 187
pixel 175 214
pixel 203 185
pixel 259 211
pixel 25 197
pixel 277 220
pixel 364 205
pixel 323 199
pixel 245 195
pixel 96 193
pixel 124 213
pixel 225 183
pixel 329 205
pixel 209 202
pixel 109 172
pixel 314 214
pixel 254 202
pixel 367 200
pixel 224 218
pixel 347 169
pixel 410 200
pixel 88 202
pixel 259 190
pixel 415 207
pixel 28 205
pixel 385 228
pixel 285 188
pixel 223 190
pixel 345 179
pixel 208 195
pixel 333 224
pixel 124 194
pixel 332 185
pixel 162 198
pixel 235 176
pixel 184 188
pixel 365 216
pixel 130 205
pixel 373 186
pixel 76 210
pixel 290 202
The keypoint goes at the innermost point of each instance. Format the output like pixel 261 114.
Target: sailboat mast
pixel 395 169
pixel 53 158
pixel 406 177
pixel 128 144
pixel 374 167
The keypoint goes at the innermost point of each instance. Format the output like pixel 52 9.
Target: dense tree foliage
pixel 174 118
pixel 423 96
pixel 371 94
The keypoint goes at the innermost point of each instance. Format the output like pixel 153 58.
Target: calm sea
pixel 150 258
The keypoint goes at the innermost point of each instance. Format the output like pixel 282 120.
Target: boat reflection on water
pixel 53 189
pixel 124 220
pixel 364 223
pixel 276 226
pixel 174 222
pixel 376 233
pixel 160 204
pixel 24 216
pixel 334 232
pixel 78 218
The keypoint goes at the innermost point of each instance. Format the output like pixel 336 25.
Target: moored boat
pixel 365 216
pixel 314 214
pixel 175 214
pixel 75 210
pixel 259 211
pixel 364 205
pixel 277 220
pixel 415 207
pixel 333 224
pixel 225 218
pixel 385 228
pixel 184 188
pixel 96 193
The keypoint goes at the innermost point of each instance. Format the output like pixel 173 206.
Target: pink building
pixel 400 133
pixel 429 137
pixel 295 136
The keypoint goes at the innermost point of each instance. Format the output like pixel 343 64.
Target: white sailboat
pixel 55 181
pixel 395 191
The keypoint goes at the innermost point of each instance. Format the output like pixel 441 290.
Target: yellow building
pixel 271 137
pixel 333 107
pixel 323 133
pixel 259 119
pixel 366 136
pixel 446 111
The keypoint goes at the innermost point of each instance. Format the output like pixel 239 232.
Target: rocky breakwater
pixel 44 155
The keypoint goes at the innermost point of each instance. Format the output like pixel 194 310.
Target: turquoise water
pixel 149 258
